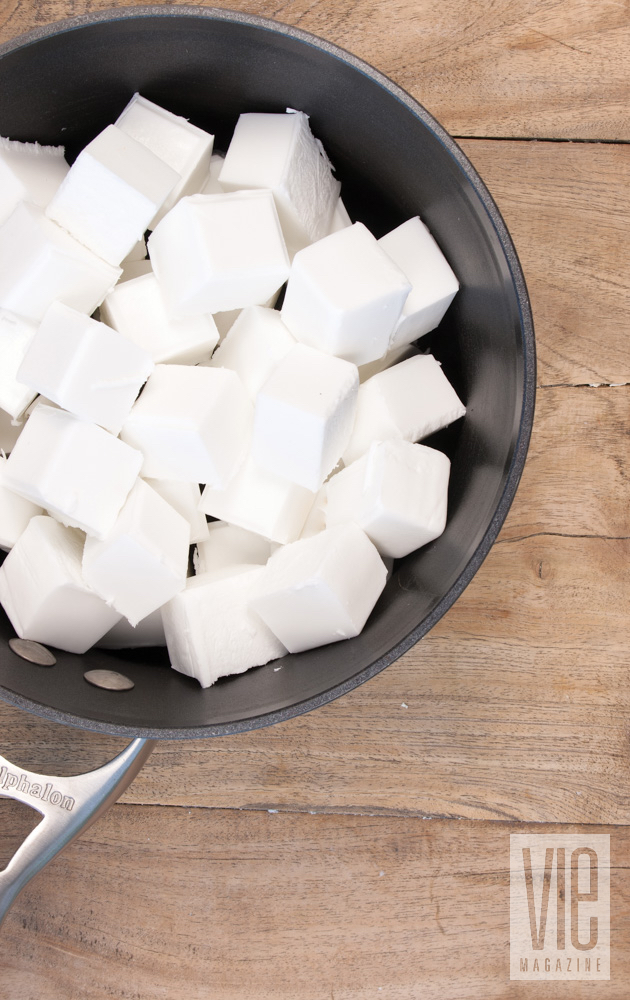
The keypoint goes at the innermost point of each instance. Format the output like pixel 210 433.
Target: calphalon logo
pixel 46 793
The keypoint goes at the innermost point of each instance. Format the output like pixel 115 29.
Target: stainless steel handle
pixel 68 806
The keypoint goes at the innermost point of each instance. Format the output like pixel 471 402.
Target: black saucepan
pixel 63 84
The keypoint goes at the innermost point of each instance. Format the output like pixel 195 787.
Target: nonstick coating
pixel 64 84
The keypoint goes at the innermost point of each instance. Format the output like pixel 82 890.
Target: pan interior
pixel 394 162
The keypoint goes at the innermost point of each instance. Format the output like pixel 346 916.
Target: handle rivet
pixel 33 651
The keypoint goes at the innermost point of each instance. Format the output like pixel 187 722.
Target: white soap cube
pixel 316 517
pixel 184 497
pixel 37 402
pixel 85 367
pixel 210 631
pixel 397 492
pixel 138 252
pixel 212 184
pixel 29 172
pixel 41 262
pixel 142 562
pixel 321 589
pixel 76 470
pixel 43 592
pixel 433 283
pixel 279 152
pixel 136 309
pixel 135 269
pixel 340 218
pixel 304 416
pixel 227 545
pixel 111 193
pixel 148 632
pixel 225 321
pixel 15 512
pixel 260 501
pixel 410 400
pixel 256 343
pixel 392 357
pixel 217 252
pixel 16 334
pixel 184 147
pixel 10 431
pixel 191 424
pixel 345 295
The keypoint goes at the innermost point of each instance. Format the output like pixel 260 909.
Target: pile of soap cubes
pixel 153 399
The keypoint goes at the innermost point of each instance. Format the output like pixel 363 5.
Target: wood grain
pixel 274 907
pixel 577 468
pixel 529 68
pixel 567 207
pixel 517 701
pixel 517 705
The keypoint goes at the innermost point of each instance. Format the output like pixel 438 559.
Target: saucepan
pixel 63 84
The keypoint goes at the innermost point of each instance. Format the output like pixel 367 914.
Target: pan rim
pixel 527 345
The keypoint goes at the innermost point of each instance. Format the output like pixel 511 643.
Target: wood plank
pixel 534 68
pixel 574 481
pixel 242 906
pixel 567 207
pixel 516 705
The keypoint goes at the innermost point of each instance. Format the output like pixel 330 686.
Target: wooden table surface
pixel 362 850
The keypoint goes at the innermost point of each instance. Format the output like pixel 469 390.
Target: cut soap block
pixel 210 630
pixel 410 400
pixel 138 252
pixel 184 497
pixel 392 357
pixel 225 321
pixel 15 512
pixel 433 283
pixel 192 424
pixel 184 147
pixel 320 589
pixel 85 367
pixel 279 152
pixel 228 545
pixel 41 262
pixel 148 632
pixel 260 501
pixel 340 218
pixel 304 416
pixel 397 492
pixel 76 470
pixel 316 517
pixel 43 592
pixel 345 295
pixel 29 172
pixel 255 344
pixel 111 193
pixel 136 308
pixel 16 334
pixel 212 184
pixel 9 431
pixel 143 560
pixel 134 269
pixel 217 252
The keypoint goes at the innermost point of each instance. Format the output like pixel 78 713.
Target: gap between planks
pixel 582 385
pixel 279 809
pixel 541 138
